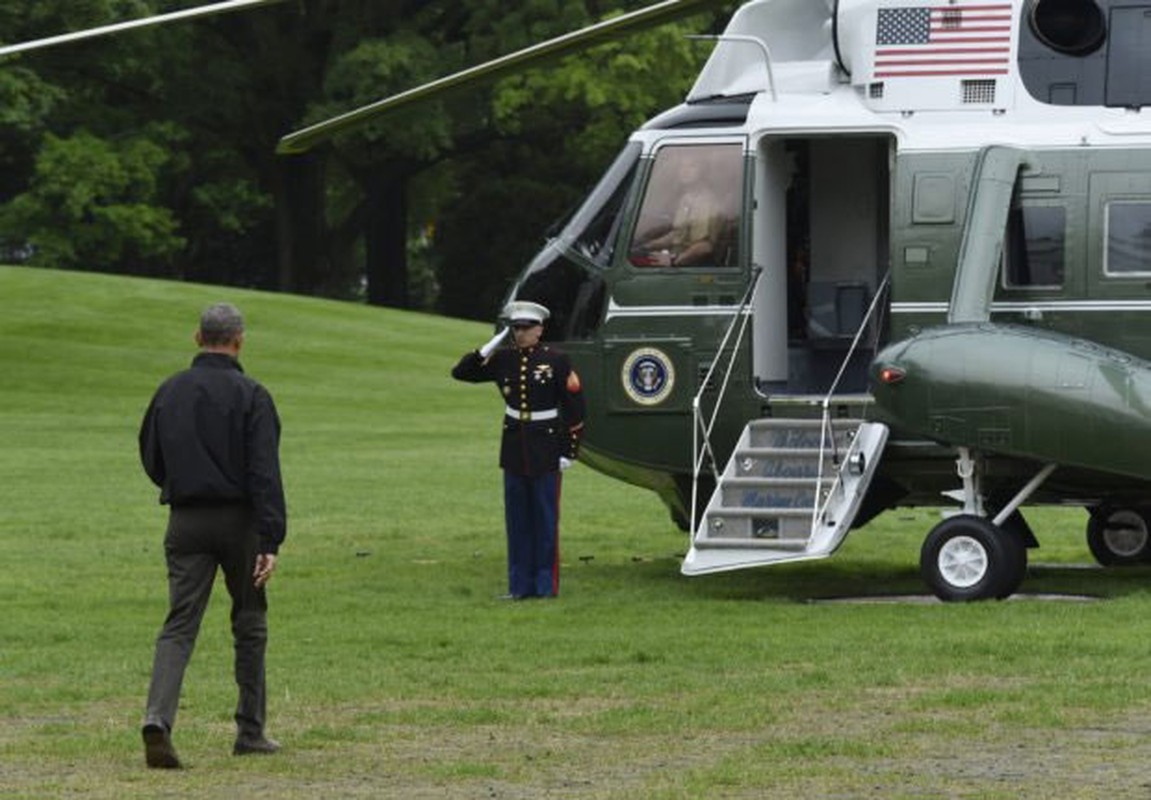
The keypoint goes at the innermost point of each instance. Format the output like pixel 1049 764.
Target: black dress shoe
pixel 158 750
pixel 261 745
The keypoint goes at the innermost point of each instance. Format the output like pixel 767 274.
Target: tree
pixel 113 120
pixel 382 162
pixel 215 95
pixel 91 201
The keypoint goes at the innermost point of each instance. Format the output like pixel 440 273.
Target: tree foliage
pixel 153 151
pixel 93 201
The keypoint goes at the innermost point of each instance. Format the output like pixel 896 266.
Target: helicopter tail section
pixel 790 492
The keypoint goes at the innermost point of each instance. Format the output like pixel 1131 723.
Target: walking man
pixel 543 418
pixel 210 440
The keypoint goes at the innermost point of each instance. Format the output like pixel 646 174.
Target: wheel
pixel 1119 537
pixel 968 558
pixel 1019 538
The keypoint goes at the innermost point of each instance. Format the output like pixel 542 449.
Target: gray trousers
pixel 200 539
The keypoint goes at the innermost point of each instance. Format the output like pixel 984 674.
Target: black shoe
pixel 262 745
pixel 158 750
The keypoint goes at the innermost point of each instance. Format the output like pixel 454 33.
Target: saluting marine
pixel 543 419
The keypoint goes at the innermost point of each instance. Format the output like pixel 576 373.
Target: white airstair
pixel 793 486
pixel 789 492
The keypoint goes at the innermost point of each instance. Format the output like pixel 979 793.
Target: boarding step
pixel 800 434
pixel 790 491
pixel 789 527
pixel 769 492
pixel 774 462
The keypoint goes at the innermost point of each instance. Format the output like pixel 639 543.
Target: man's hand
pixel 565 463
pixel 265 566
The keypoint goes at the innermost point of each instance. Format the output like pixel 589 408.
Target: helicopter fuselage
pixel 853 184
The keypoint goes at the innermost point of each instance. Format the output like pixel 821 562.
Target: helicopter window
pixel 1128 236
pixel 595 226
pixel 690 212
pixel 1034 247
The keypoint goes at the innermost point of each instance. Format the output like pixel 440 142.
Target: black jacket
pixel 211 435
pixel 538 379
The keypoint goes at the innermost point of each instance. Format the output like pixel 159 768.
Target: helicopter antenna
pixel 158 19
pixel 760 43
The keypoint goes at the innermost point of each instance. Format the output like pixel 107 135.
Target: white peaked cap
pixel 524 311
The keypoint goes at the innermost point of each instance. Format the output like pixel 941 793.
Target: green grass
pixel 394 672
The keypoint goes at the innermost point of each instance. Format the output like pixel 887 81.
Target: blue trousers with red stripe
pixel 532 515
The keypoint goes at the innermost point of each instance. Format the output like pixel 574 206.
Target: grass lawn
pixel 393 670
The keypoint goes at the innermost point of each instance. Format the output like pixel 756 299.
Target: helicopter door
pixel 821 235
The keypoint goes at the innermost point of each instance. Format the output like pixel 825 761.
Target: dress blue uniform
pixel 543 419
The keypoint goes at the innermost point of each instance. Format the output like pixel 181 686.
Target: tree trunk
pixel 386 237
pixel 300 220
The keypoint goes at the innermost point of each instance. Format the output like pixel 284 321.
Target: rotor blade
pixel 158 19
pixel 303 140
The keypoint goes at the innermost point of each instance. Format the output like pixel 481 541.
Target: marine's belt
pixel 532 416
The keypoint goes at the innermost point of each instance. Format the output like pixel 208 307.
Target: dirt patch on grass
pixel 834 747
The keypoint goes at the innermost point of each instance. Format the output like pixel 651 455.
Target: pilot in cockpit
pixel 695 223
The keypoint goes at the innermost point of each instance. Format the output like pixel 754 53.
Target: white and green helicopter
pixel 886 253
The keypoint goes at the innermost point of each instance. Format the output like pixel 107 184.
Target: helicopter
pixel 886 253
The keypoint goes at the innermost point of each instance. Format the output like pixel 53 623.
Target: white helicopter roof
pixel 936 74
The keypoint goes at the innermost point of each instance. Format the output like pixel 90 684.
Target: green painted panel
pixel 1022 392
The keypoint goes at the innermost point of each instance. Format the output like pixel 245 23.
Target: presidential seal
pixel 648 376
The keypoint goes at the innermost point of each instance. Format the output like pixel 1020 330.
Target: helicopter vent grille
pixel 980 91
pixel 875 90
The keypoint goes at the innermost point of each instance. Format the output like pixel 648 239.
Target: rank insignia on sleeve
pixel 573 382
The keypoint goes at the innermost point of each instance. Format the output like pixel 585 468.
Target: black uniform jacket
pixel 211 435
pixel 534 383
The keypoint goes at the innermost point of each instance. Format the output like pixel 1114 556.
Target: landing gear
pixel 966 557
pixel 1119 536
pixel 972 557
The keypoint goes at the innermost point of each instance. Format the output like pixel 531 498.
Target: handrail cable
pixel 698 453
pixel 826 431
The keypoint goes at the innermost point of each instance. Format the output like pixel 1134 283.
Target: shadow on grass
pixel 831 579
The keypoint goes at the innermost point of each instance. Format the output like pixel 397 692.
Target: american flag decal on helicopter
pixel 928 41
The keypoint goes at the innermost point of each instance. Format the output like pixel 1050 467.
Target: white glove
pixel 487 349
pixel 565 463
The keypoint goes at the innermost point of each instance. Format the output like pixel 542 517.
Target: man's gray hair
pixel 220 324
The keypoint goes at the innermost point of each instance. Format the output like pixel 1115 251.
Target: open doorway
pixel 821 234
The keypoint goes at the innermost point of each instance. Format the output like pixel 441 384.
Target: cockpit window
pixel 690 212
pixel 595 226
pixel 567 275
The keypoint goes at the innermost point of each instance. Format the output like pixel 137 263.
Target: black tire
pixel 1119 536
pixel 1016 566
pixel 967 558
pixel 1018 538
